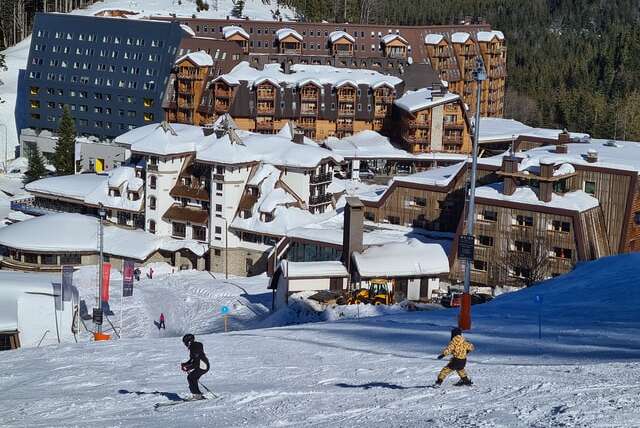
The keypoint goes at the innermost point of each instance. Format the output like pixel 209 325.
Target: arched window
pixel 152 203
pixel 152 182
pixel 152 226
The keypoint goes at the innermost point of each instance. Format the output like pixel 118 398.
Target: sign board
pixel 106 275
pixel 97 316
pixel 224 310
pixel 57 296
pixel 127 278
pixel 67 282
pixel 466 246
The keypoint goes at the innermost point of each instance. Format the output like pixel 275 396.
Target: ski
pixel 183 401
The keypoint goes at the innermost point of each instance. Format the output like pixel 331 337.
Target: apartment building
pixel 110 72
pixel 450 50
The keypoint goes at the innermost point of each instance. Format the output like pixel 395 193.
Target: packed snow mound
pixel 602 291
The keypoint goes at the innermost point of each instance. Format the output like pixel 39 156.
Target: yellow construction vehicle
pixel 377 294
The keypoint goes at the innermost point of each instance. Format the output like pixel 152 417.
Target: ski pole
pixel 208 390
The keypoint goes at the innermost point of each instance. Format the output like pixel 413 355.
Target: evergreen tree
pixel 64 156
pixel 238 8
pixel 36 166
pixel 3 66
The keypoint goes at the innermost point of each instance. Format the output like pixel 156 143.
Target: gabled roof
pixel 487 36
pixel 232 30
pixel 433 39
pixel 460 37
pixel 283 33
pixel 337 35
pixel 391 37
pixel 200 58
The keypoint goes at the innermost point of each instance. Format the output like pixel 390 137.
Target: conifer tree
pixel 64 156
pixel 36 166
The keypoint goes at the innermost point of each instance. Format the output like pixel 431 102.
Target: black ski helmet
pixel 188 339
pixel 456 332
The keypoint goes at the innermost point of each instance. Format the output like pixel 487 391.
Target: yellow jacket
pixel 458 347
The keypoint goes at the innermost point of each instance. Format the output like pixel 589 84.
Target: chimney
pixel 562 149
pixel 546 186
pixel 352 229
pixel 298 137
pixel 592 155
pixel 564 137
pixel 509 166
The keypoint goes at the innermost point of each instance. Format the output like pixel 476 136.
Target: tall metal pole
pixel 100 261
pixel 464 321
pixel 226 249
pixel 6 145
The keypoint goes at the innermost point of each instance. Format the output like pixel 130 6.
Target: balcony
pixel 422 124
pixel 308 111
pixel 344 126
pixel 321 178
pixel 342 53
pixel 454 125
pixel 291 51
pixel 218 177
pixel 309 96
pixel 152 167
pixel 416 138
pixel 222 94
pixel 441 54
pixel 265 126
pixel 184 76
pixel 320 199
pixel 380 113
pixel 221 107
pixel 346 96
pixel 306 124
pixel 265 95
pixel 265 109
pixel 453 141
pixel 384 99
pixel 345 112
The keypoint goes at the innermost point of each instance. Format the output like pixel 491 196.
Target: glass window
pixel 179 230
pixel 590 187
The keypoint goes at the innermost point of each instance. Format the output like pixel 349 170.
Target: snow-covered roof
pixel 162 138
pixel 93 189
pixel 573 201
pixel 277 149
pixel 68 232
pixel 187 30
pixel 622 155
pixel 440 177
pixel 304 73
pixel 388 38
pixel 16 286
pixel 369 144
pixel 283 33
pixel 407 259
pixel 328 269
pixel 423 98
pixel 487 36
pixel 231 30
pixel 460 37
pixel 433 39
pixel 199 58
pixel 497 130
pixel 337 35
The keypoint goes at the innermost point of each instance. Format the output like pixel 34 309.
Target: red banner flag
pixel 106 274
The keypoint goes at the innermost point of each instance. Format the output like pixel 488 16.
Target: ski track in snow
pixel 373 372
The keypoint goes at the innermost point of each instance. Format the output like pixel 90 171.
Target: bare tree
pixel 526 263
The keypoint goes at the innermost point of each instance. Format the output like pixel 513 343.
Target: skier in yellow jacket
pixel 458 348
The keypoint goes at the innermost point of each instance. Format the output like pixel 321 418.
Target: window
pixel 199 233
pixel 152 203
pixel 148 117
pixel 219 187
pixel 636 218
pixel 148 102
pixel 34 90
pixel 522 247
pixel 368 215
pixel 562 253
pixel 522 220
pixel 590 187
pixel 218 230
pixel 487 215
pixel 70 259
pixel 484 240
pixel 49 259
pixel 217 252
pixel 31 258
pixel 179 230
pixel 152 226
pixel 480 265
pixel 520 272
pixel 560 226
pixel 393 219
pixel 218 208
pixel 152 182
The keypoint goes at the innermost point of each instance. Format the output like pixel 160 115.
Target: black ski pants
pixel 193 377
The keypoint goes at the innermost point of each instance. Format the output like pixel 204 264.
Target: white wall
pixel 37 314
pixel 168 170
pixel 233 185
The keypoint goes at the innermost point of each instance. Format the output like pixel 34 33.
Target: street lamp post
pixel 226 249
pixel 464 320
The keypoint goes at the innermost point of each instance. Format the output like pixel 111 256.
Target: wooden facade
pixel 185 93
pixel 388 49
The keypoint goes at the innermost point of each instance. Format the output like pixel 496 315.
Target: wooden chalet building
pixel 449 50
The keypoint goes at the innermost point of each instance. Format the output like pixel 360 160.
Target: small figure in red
pixel 161 325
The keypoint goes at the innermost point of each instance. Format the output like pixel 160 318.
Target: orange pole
pixel 464 319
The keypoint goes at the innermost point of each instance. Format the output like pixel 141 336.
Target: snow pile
pixel 433 39
pixel 232 30
pixel 460 37
pixel 493 129
pixel 334 36
pixel 440 177
pixel 199 58
pixel 487 36
pixel 283 33
pixel 573 201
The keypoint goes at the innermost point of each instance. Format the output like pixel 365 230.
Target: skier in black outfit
pixel 197 365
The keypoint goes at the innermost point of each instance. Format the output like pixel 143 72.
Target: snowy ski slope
pixel 370 372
